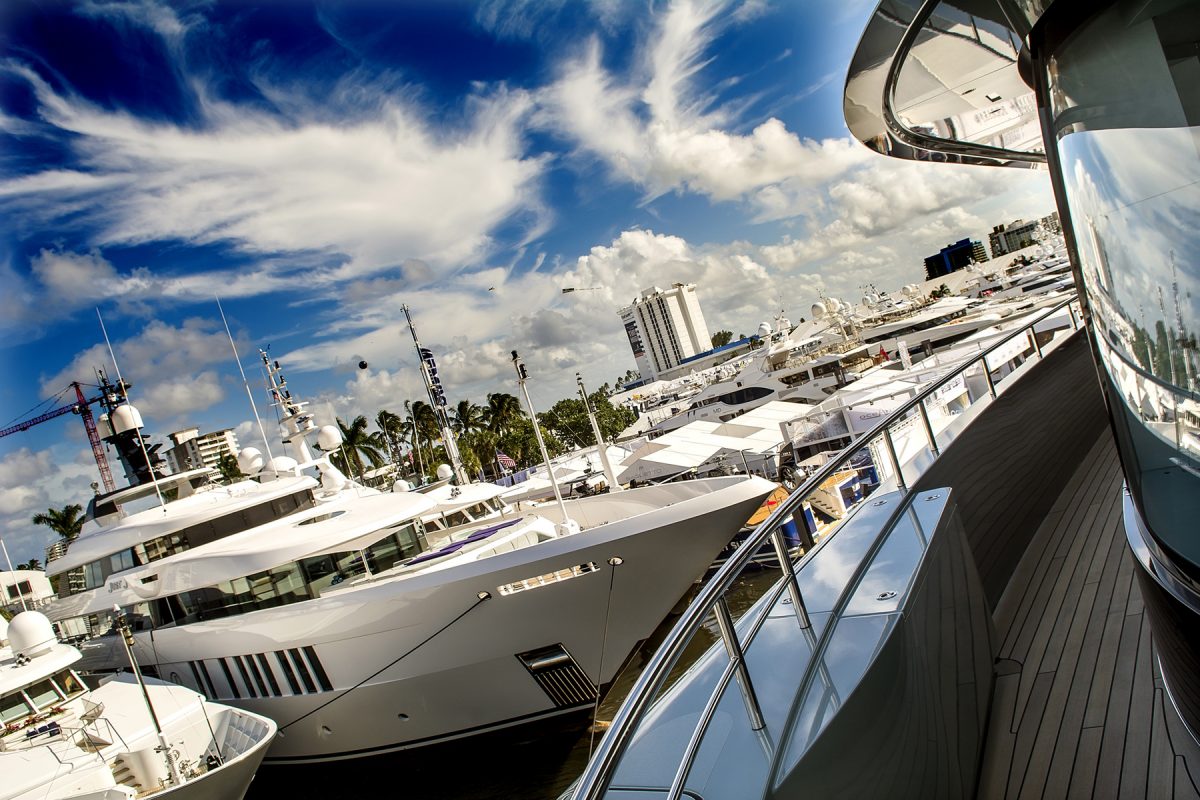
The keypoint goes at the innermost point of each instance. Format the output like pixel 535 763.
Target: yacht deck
pixel 1079 709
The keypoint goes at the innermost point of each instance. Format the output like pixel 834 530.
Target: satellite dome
pixel 764 330
pixel 332 479
pixel 105 426
pixel 125 418
pixel 250 460
pixel 444 472
pixel 329 438
pixel 31 634
pixel 401 486
pixel 819 310
pixel 281 464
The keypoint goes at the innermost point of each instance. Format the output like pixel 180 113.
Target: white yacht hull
pixel 408 661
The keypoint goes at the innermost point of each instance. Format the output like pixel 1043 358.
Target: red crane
pixel 82 407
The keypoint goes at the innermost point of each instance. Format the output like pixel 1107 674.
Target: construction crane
pixel 82 407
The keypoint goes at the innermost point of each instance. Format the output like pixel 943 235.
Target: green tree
pixel 66 521
pixel 504 412
pixel 230 471
pixel 520 444
pixel 568 420
pixel 32 563
pixel 356 443
pixel 391 427
pixel 722 338
pixel 468 417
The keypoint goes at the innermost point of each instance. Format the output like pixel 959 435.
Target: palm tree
pixel 425 418
pixel 66 521
pixel 391 425
pixel 503 411
pixel 468 417
pixel 356 443
pixel 32 563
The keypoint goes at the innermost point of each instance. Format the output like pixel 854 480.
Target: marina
pixel 934 542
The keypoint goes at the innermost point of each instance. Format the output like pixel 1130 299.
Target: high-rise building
pixel 190 450
pixel 665 326
pixel 954 257
pixel 1019 234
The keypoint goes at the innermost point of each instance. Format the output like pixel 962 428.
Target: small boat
pixel 130 737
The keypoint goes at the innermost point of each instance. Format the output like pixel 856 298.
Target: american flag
pixel 505 461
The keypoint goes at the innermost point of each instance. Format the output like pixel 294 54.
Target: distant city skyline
pixel 315 165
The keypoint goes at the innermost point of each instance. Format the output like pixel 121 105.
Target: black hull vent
pixel 563 681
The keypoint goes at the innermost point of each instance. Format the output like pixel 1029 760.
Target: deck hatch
pixel 559 676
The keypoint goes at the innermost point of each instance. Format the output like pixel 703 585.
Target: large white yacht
pixel 323 605
pixel 61 741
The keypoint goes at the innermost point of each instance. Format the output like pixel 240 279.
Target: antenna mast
pixel 437 399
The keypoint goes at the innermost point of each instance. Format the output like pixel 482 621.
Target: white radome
pixel 31 634
pixel 125 418
pixel 444 472
pixel 250 460
pixel 329 438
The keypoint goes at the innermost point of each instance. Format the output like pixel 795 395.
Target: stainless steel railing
pixel 711 599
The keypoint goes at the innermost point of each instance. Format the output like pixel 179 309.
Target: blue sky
pixel 317 165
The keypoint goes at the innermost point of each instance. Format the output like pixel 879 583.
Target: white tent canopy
pixel 756 435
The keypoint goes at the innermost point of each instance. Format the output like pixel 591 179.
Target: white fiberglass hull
pixel 417 659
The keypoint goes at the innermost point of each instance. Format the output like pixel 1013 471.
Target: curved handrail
pixel 924 141
pixel 600 768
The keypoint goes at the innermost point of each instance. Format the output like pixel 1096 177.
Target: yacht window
pixel 17 589
pixel 43 694
pixel 14 706
pixel 404 542
pixel 195 535
pixel 93 575
pixel 119 562
pixel 68 683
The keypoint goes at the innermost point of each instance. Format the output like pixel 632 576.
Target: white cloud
pixel 659 132
pixel 31 482
pixel 166 365
pixel 360 174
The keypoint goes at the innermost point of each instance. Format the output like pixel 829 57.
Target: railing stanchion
pixel 933 445
pixel 891 446
pixel 789 574
pixel 734 649
pixel 1037 346
pixel 987 375
pixel 806 538
pixel 1071 312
